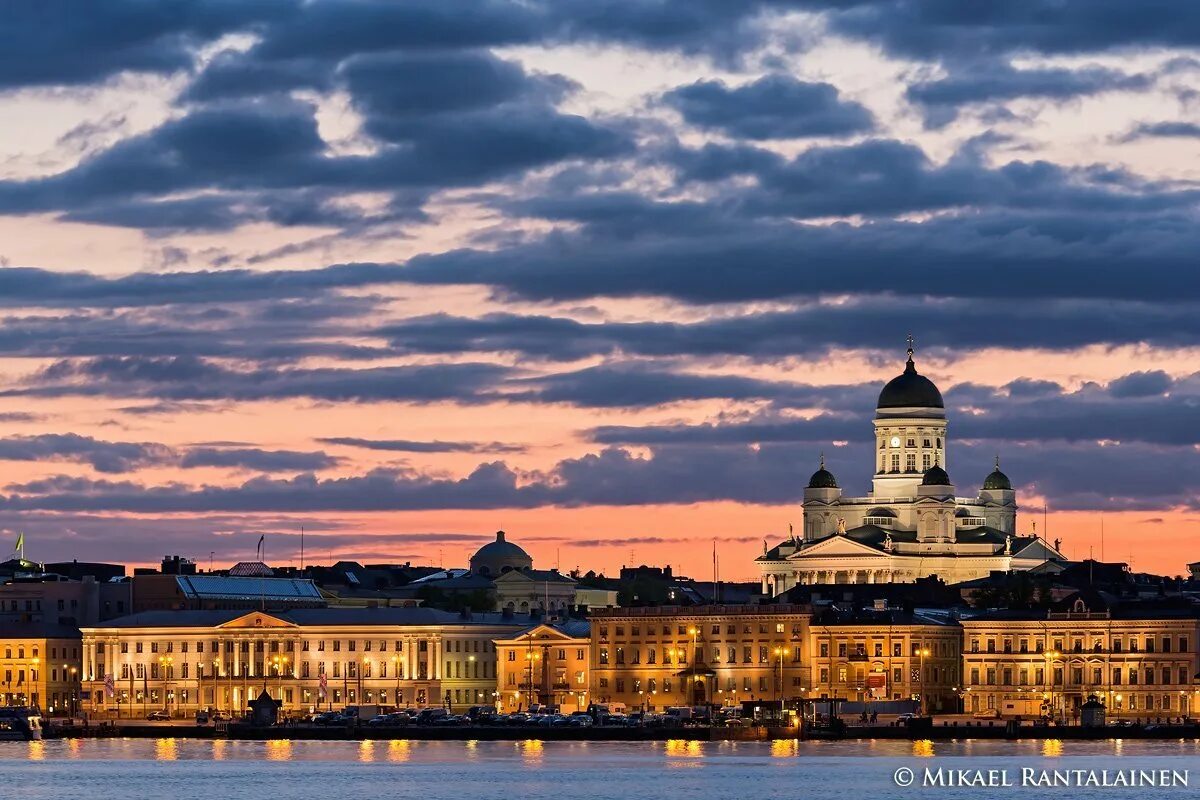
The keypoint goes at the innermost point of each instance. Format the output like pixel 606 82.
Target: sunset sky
pixel 607 274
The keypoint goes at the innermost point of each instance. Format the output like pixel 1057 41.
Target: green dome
pixel 936 476
pixel 910 389
pixel 997 480
pixel 822 478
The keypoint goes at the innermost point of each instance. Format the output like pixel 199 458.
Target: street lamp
pixel 531 657
pixel 1049 678
pixel 779 685
pixel 396 674
pixel 924 651
pixel 694 662
pixel 164 663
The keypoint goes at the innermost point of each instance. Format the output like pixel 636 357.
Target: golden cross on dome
pixel 911 342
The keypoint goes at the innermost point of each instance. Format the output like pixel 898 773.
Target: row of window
pixel 1132 676
pixel 765 654
pixel 289 646
pixel 936 649
pixel 1151 644
pixel 72 653
pixel 910 441
pixel 561 652
pixel 731 629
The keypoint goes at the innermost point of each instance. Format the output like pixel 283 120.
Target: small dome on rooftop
pixel 822 478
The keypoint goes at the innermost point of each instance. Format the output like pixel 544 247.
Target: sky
pixel 609 275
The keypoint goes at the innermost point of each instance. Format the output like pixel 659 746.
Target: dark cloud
pixel 102 456
pixel 411 446
pixel 1073 476
pixel 991 81
pixel 772 107
pixel 122 457
pixel 50 43
pixel 1168 130
pixel 811 329
pixel 187 378
pixel 257 460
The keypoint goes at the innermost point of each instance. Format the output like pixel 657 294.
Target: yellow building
pixel 659 657
pixel 882 654
pixel 309 659
pixel 1138 663
pixel 40 666
pixel 545 664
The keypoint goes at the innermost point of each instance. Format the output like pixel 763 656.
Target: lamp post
pixel 164 663
pixel 74 696
pixel 779 685
pixel 1049 679
pixel 693 661
pixel 924 651
pixel 531 657
pixel 396 675
pixel 361 667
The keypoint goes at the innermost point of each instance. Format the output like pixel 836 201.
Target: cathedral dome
pixel 997 480
pixel 822 478
pixel 910 389
pixel 499 556
pixel 936 476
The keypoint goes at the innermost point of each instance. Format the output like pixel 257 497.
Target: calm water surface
pixel 180 768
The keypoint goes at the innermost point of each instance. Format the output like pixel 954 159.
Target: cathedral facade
pixel 912 523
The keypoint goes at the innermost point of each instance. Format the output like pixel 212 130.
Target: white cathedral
pixel 912 524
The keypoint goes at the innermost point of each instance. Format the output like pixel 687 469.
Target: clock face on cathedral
pixel 913 522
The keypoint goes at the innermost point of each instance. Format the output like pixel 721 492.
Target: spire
pixel 997 462
pixel 909 366
pixel 822 460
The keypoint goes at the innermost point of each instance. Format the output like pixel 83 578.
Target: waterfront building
pixel 912 523
pixel 1137 659
pixel 662 656
pixel 545 663
pixel 40 666
pixel 306 658
pixel 881 654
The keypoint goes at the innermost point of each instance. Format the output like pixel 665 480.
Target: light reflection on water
pixel 108 769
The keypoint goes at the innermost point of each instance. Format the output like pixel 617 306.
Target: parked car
pixel 219 716
pixel 158 716
pixel 989 713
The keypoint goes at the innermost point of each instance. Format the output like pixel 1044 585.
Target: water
pixel 531 770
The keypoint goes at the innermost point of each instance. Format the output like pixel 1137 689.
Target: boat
pixel 20 724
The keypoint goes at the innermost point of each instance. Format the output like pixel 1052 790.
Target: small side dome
pixel 997 480
pixel 936 476
pixel 822 478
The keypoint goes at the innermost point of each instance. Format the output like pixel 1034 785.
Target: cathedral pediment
pixel 837 546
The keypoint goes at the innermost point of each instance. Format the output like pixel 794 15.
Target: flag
pixel 261 541
pixel 20 543
pixel 110 685
pixel 323 687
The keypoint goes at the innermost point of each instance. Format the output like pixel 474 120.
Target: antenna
pixel 1101 535
pixel 302 548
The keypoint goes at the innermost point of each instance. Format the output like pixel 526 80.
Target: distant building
pixel 1194 570
pixel 50 598
pixel 220 592
pixel 546 663
pixel 912 523
pixel 504 571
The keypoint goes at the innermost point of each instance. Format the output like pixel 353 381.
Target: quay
pixel 947 732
